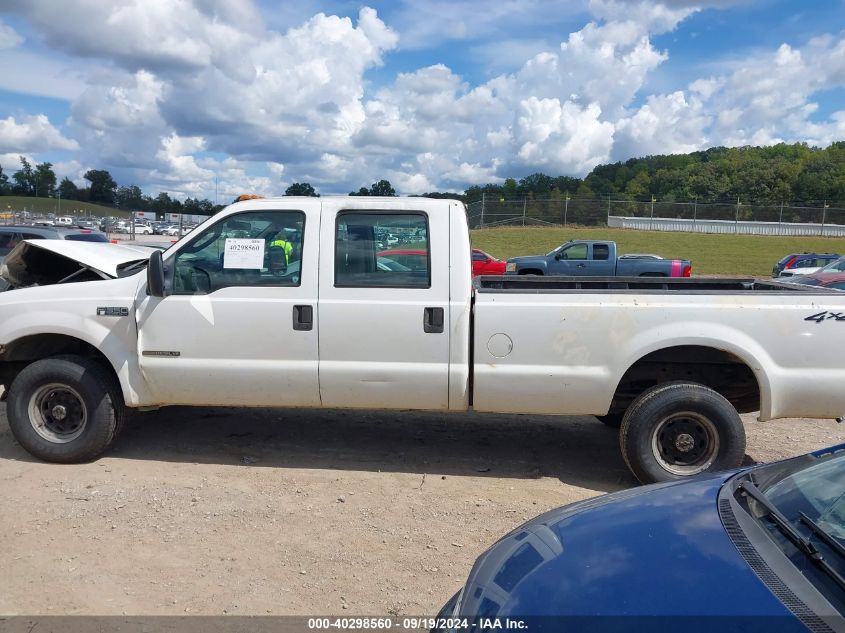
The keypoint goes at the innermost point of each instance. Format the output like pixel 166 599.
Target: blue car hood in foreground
pixel 642 552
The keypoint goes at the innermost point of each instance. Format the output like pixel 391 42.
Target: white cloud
pixel 175 84
pixel 769 97
pixel 165 35
pixel 665 124
pixel 32 134
pixel 9 37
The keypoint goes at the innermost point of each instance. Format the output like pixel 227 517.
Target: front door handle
pixel 303 317
pixel 433 320
pixel 582 265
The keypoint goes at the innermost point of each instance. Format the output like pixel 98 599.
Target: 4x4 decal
pixel 826 316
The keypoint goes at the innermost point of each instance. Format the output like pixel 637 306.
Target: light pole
pixel 565 208
pixel 736 218
pixel 694 214
pixel 651 220
pixel 824 214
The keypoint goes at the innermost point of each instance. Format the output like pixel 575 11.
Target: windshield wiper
pixel 823 534
pixel 802 543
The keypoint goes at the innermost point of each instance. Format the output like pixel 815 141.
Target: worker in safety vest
pixel 282 242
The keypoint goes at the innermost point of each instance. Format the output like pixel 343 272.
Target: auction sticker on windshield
pixel 240 253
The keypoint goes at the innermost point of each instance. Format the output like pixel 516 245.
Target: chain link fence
pixel 703 217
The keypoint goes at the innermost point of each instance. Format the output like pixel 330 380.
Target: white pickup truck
pixel 287 303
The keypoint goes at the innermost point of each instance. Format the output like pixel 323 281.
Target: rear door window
pixel 357 254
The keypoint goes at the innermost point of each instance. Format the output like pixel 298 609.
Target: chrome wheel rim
pixel 57 413
pixel 685 443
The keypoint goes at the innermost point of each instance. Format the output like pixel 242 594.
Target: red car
pixel 412 258
pixel 482 263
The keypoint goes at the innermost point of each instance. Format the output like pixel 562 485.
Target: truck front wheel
pixel 680 429
pixel 65 409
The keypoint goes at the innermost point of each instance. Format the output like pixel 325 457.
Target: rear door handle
pixel 303 317
pixel 582 265
pixel 433 320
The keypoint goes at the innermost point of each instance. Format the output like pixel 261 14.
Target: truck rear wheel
pixel 678 430
pixel 65 409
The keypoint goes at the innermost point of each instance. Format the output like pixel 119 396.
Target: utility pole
pixel 483 196
pixel 524 209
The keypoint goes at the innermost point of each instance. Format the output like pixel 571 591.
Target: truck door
pixel 384 335
pixel 571 260
pixel 239 325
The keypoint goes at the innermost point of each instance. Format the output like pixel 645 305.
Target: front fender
pixel 71 310
pixel 528 264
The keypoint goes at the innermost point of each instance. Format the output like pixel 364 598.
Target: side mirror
pixel 155 275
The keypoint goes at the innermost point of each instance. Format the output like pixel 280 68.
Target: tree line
pixel 783 173
pixel 780 173
pixel 40 181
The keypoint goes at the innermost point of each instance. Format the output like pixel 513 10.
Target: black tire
pixel 65 409
pixel 613 420
pixel 680 429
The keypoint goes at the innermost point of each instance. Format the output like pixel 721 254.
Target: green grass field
pixel 54 205
pixel 741 255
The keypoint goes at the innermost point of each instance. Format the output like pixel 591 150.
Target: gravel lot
pixel 242 511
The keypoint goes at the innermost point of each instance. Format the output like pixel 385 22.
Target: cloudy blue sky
pixel 177 95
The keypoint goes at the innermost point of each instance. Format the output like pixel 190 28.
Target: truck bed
pixel 546 344
pixel 561 284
